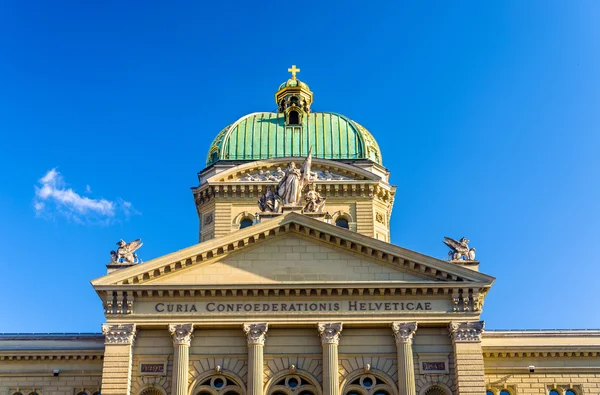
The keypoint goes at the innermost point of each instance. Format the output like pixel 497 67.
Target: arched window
pixel 554 392
pixel 505 392
pixel 293 118
pixel 293 385
pixel 218 385
pixel 368 384
pixel 246 222
pixel 342 223
pixel 435 390
pixel 570 392
pixel 489 393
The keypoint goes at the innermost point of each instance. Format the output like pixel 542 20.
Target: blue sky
pixel 486 112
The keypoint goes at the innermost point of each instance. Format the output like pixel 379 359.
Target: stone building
pixel 301 294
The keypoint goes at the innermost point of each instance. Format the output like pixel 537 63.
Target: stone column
pixel 404 332
pixel 116 369
pixel 182 337
pixel 468 357
pixel 256 335
pixel 330 338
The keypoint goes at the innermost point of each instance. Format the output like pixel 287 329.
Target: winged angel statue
pixel 126 252
pixel 460 249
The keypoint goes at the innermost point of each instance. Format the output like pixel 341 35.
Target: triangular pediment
pixel 295 249
pixel 290 258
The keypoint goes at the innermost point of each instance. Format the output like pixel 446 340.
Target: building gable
pixel 289 258
pixel 380 254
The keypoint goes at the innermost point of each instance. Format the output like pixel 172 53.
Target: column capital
pixel 256 333
pixel 181 333
pixel 404 331
pixel 119 333
pixel 330 332
pixel 469 331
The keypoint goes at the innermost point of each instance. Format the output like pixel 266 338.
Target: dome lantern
pixel 293 99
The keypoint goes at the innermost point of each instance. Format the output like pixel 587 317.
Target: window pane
pixel 504 392
pixel 571 392
pixel 489 393
pixel 342 223
pixel 554 392
pixel 246 222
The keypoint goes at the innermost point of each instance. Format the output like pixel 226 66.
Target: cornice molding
pixel 53 355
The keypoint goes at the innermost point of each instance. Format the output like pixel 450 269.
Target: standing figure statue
pixel 460 249
pixel 293 182
pixel 269 202
pixel 314 201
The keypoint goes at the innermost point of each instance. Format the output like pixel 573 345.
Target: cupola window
pixel 293 118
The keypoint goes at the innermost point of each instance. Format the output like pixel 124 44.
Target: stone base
pixel 114 266
pixel 268 215
pixel 320 216
pixel 287 209
pixel 473 265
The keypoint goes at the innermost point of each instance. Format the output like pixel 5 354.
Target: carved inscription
pixel 308 307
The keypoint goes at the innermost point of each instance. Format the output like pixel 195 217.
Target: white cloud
pixel 52 198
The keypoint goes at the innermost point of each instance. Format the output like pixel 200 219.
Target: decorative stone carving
pixel 404 331
pixel 119 333
pixel 459 249
pixel 208 219
pixel 314 201
pixel 379 218
pixel 278 174
pixel 269 202
pixel 181 333
pixel 478 301
pixel 330 332
pixel 256 333
pixel 126 252
pixel 466 331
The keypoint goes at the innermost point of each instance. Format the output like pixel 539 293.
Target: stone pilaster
pixel 255 335
pixel 404 332
pixel 116 370
pixel 330 339
pixel 468 357
pixel 182 337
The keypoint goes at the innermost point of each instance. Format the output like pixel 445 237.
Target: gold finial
pixel 293 70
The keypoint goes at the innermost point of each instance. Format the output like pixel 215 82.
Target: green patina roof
pixel 264 135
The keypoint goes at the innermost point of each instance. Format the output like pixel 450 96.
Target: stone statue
pixel 314 201
pixel 460 249
pixel 269 202
pixel 126 252
pixel 293 182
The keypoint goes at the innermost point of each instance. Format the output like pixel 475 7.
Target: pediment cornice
pixel 439 273
pixel 341 172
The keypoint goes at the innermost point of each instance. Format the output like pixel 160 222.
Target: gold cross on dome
pixel 293 70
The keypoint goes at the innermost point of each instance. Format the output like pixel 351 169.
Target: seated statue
pixel 314 201
pixel 269 202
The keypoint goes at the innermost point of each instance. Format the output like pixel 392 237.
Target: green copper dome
pixel 264 135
